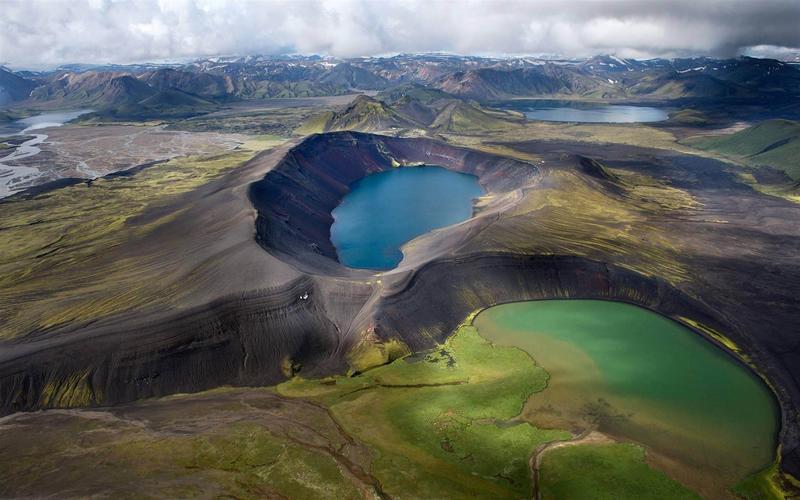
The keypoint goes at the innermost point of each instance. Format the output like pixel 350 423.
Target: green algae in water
pixel 639 376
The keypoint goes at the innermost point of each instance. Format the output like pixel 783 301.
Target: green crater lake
pixel 705 418
pixel 385 210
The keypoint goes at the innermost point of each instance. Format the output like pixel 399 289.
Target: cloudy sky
pixel 42 33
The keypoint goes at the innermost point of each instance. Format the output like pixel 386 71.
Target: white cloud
pixel 36 33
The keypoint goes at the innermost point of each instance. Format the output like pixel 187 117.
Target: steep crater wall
pixel 444 292
pixel 295 199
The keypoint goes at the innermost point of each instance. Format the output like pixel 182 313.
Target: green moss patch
pixel 605 471
pixel 774 143
pixel 441 423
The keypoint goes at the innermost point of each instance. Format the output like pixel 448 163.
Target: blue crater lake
pixel 385 210
pixel 586 112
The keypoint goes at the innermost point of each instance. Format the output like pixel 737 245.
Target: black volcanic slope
pixel 725 263
pixel 236 340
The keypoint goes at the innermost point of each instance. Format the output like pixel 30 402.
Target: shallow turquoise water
pixel 385 210
pixel 563 111
pixel 640 376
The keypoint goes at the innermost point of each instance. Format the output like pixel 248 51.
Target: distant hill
pixel 674 85
pixel 466 117
pixel 691 117
pixel 13 87
pixel 166 104
pixel 124 90
pixel 116 89
pixel 494 84
pixel 545 80
pixel 422 104
pixel 115 92
pixel 349 76
pixel 412 91
pixel 252 89
pixel 204 84
pixel 9 116
pixel 766 75
pixel 774 143
pixel 363 114
pixel 175 98
pixel 99 89
pixel 412 106
pixel 612 77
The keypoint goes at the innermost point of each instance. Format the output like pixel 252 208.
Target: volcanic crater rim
pixel 295 200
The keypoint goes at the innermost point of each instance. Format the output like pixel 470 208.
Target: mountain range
pixel 209 81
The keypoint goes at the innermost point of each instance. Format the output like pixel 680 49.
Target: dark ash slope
pixel 256 339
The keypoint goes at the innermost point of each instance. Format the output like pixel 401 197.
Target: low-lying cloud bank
pixel 37 33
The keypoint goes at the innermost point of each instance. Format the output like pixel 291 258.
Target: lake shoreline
pixel 637 398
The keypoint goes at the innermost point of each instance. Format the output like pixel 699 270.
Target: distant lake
pixel 383 211
pixel 586 112
pixel 45 120
pixel 37 122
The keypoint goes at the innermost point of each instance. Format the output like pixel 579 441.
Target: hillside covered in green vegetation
pixel 773 143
